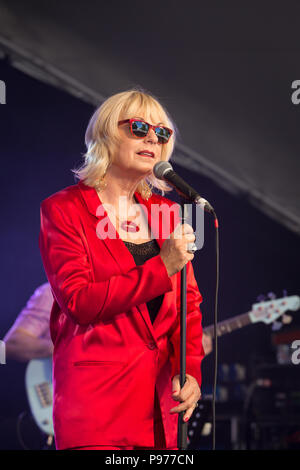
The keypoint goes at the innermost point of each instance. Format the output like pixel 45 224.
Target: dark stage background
pixel 42 138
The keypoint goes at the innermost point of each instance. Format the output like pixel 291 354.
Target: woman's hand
pixel 189 394
pixel 174 250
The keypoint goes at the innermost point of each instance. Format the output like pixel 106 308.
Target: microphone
pixel 164 171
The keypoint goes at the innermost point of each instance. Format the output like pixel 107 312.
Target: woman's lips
pixel 146 154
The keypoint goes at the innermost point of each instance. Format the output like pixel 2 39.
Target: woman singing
pixel 114 266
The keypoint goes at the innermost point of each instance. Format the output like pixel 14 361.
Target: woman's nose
pixel 151 136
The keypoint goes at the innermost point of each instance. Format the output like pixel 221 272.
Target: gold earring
pixel 147 193
pixel 101 184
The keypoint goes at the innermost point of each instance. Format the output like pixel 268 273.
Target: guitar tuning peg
pixel 260 298
pixel 271 295
pixel 286 319
pixel 284 293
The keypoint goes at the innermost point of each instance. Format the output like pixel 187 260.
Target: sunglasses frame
pixel 151 126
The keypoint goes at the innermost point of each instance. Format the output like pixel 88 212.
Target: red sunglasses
pixel 140 129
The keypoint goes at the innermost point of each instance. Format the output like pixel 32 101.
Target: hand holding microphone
pixel 176 251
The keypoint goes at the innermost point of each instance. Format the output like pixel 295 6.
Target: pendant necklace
pixel 128 225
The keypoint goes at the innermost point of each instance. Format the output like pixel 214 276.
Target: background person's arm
pixel 22 346
pixel 29 336
pixel 207 344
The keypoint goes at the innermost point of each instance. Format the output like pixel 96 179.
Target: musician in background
pixel 29 337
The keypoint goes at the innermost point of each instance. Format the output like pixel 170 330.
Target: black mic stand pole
pixel 182 426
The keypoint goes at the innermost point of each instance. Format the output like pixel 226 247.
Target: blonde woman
pixel 115 277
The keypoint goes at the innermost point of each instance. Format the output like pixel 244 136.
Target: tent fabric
pixel 224 73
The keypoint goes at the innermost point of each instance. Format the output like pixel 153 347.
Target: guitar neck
pixel 227 326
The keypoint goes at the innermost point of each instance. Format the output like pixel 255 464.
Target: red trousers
pixel 159 436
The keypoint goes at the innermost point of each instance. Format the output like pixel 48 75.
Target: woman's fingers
pixel 184 404
pixel 185 232
pixel 182 230
pixel 188 406
pixel 190 386
pixel 189 412
pixel 188 396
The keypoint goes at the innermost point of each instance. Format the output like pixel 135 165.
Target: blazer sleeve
pixel 194 347
pixel 68 268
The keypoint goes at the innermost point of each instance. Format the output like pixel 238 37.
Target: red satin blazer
pixel 108 357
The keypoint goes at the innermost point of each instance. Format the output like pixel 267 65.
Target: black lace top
pixel 141 253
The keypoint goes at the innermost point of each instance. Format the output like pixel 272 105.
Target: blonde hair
pixel 102 137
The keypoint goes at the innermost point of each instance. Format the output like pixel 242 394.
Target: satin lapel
pixel 115 245
pixel 153 222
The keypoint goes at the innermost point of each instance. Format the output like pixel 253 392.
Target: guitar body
pixel 38 381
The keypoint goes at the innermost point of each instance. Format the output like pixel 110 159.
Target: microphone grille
pixel 160 168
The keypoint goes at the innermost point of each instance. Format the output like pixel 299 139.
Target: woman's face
pixel 129 155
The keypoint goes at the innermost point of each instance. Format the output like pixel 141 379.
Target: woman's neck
pixel 118 190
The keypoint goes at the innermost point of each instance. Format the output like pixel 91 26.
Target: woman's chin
pixel 145 166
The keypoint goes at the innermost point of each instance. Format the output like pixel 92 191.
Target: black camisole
pixel 141 253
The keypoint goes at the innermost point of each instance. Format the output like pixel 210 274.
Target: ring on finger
pixel 191 247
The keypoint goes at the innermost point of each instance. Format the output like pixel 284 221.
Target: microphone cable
pixel 215 335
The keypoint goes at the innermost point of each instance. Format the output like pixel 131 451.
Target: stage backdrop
pixel 225 72
pixel 42 138
pixel 226 83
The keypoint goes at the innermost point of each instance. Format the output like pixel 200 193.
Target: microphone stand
pixel 182 426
